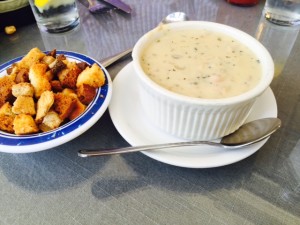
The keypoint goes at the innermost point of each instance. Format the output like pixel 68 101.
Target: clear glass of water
pixel 55 16
pixel 272 36
pixel 283 12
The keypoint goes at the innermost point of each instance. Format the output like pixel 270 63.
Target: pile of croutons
pixel 43 91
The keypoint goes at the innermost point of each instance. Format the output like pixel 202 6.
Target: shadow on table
pixel 149 172
pixel 60 167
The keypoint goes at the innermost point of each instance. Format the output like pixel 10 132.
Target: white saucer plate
pixel 11 143
pixel 128 118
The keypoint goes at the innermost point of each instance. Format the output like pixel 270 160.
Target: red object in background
pixel 243 2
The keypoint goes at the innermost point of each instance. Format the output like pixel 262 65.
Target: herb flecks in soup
pixel 201 64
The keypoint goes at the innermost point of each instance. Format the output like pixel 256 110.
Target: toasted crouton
pixel 6 123
pixel 63 105
pixel 92 76
pixel 69 91
pixel 68 76
pixel 24 105
pixel 22 76
pixel 57 66
pixel 61 57
pixel 6 84
pixel 48 59
pixel 52 53
pixel 50 121
pixel 24 124
pixel 13 70
pixel 38 79
pixel 49 75
pixel 86 93
pixel 6 109
pixel 32 57
pixel 82 65
pixel 25 89
pixel 43 105
pixel 56 86
pixel 10 70
pixel 78 110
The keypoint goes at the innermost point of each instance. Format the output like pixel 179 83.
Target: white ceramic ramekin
pixel 195 118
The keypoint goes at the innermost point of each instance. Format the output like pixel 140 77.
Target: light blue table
pixel 58 187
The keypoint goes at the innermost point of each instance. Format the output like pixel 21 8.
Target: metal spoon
pixel 171 18
pixel 247 134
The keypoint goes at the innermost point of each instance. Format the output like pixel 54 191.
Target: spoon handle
pixel 112 59
pixel 102 152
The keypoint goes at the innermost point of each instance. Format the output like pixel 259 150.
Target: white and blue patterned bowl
pixel 11 143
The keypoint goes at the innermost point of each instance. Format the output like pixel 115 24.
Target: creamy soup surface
pixel 201 64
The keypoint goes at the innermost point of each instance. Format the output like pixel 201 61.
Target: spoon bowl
pixel 247 134
pixel 175 17
pixel 171 18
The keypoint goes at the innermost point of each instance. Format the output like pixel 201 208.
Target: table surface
pixel 56 186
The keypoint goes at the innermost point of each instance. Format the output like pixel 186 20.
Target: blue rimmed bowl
pixel 12 143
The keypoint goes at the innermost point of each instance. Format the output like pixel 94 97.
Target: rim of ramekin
pixel 259 50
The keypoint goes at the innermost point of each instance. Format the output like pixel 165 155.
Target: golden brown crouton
pixel 62 74
pixel 69 91
pixel 6 84
pixel 86 93
pixel 38 79
pixel 92 76
pixel 56 86
pixel 7 123
pixel 63 105
pixel 78 110
pixel 82 65
pixel 48 59
pixel 33 56
pixel 49 75
pixel 52 53
pixel 79 106
pixel 57 66
pixel 6 109
pixel 43 105
pixel 24 105
pixel 24 124
pixel 61 57
pixel 13 70
pixel 22 76
pixel 25 89
pixel 50 121
pixel 68 76
pixel 10 70
pixel 10 29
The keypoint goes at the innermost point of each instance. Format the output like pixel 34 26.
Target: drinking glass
pixel 282 12
pixel 55 16
pixel 279 40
